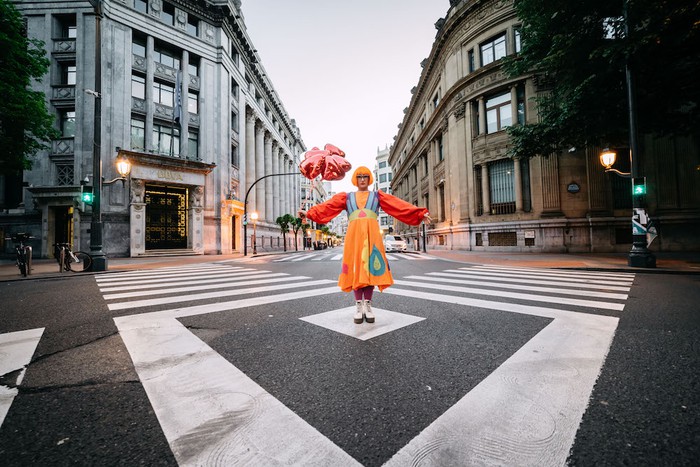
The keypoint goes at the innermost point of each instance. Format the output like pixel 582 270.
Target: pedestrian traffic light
pixel 639 186
pixel 87 195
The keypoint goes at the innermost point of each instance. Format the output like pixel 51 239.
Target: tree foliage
pixel 284 222
pixel 26 126
pixel 577 52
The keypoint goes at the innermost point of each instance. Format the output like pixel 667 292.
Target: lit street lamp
pixel 254 218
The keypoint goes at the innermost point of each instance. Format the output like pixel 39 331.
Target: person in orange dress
pixel 364 260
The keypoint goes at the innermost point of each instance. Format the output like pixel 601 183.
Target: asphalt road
pixel 258 361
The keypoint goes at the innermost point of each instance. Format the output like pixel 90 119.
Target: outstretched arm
pixel 325 212
pixel 403 211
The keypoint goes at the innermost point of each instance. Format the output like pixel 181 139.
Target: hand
pixel 427 218
pixel 301 214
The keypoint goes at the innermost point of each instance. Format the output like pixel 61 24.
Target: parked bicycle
pixel 69 261
pixel 23 252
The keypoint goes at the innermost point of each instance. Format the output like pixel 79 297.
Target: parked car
pixel 395 243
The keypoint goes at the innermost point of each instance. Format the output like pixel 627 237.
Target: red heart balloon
pixel 334 150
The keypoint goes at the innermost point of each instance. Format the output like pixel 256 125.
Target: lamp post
pixel 245 208
pixel 254 218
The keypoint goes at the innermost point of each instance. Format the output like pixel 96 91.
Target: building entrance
pixel 166 217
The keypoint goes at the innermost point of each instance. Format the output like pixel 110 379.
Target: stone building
pixel 183 96
pixel 450 154
pixel 382 181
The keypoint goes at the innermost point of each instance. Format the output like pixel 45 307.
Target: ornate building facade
pixel 450 155
pixel 185 98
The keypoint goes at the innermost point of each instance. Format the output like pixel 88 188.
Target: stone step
pixel 169 252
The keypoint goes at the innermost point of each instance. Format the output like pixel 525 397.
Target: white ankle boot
pixel 369 316
pixel 359 314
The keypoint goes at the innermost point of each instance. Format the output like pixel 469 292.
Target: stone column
pixel 518 185
pixel 138 217
pixel 196 220
pixel 184 149
pixel 150 105
pixel 249 175
pixel 485 192
pixel 514 104
pixel 482 116
pixel 259 205
pixel 269 213
pixel 276 187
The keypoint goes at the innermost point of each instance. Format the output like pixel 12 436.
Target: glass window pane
pixel 138 87
pixel 141 6
pixel 506 114
pixel 139 49
pixel 494 101
pixel 500 47
pixel 491 121
pixel 192 103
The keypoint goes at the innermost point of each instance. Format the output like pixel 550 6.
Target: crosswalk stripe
pixel 501 293
pixel 521 277
pixel 190 288
pixel 337 257
pixel 563 271
pixel 554 290
pixel 205 296
pixel 302 258
pixel 181 277
pixel 154 284
pixel 548 282
pixel 166 271
pixel 210 272
pixel 286 258
pixel 553 273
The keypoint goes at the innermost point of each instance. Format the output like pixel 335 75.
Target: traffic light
pixel 87 196
pixel 639 186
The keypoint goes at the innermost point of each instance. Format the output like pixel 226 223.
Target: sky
pixel 344 69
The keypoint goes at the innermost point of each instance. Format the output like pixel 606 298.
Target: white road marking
pixel 211 412
pixel 16 350
pixel 550 282
pixel 555 290
pixel 520 296
pixel 216 273
pixel 226 278
pixel 559 274
pixel 628 275
pixel 528 410
pixel 544 278
pixel 204 296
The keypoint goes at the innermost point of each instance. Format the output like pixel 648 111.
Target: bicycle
pixel 23 252
pixel 69 261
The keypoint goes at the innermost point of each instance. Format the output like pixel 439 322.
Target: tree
pixel 26 126
pixel 578 52
pixel 296 225
pixel 284 223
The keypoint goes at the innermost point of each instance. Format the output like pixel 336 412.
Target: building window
pixel 193 102
pixel 138 134
pixel 141 5
pixel 67 28
pixel 502 187
pixel 167 58
pixel 499 113
pixel 64 174
pixel 470 60
pixel 516 40
pixel 138 47
pixel 193 66
pixel 521 105
pixel 168 14
pixel 192 25
pixel 390 176
pixel 69 73
pixel 382 178
pixel 525 176
pixel 163 93
pixel 436 100
pixel 193 145
pixel 234 88
pixel 441 194
pixel 234 121
pixel 138 86
pixel 166 139
pixel 493 50
pixel 67 122
pixel 382 164
pixel 478 193
pixel 234 156
pixel 440 152
pixel 425 164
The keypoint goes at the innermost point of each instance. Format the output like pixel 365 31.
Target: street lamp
pixel 254 218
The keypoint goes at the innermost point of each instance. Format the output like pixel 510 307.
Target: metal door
pixel 166 217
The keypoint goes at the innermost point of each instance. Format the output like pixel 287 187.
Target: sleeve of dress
pixel 324 212
pixel 400 209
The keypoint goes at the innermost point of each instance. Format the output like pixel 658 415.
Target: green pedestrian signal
pixel 87 196
pixel 639 186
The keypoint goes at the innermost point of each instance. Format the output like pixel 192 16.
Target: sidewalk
pixel 672 262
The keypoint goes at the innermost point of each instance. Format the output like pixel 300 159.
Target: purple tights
pixel 364 292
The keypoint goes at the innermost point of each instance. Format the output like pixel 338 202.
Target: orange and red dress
pixel 364 260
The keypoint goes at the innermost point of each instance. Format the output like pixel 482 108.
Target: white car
pixel 394 243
